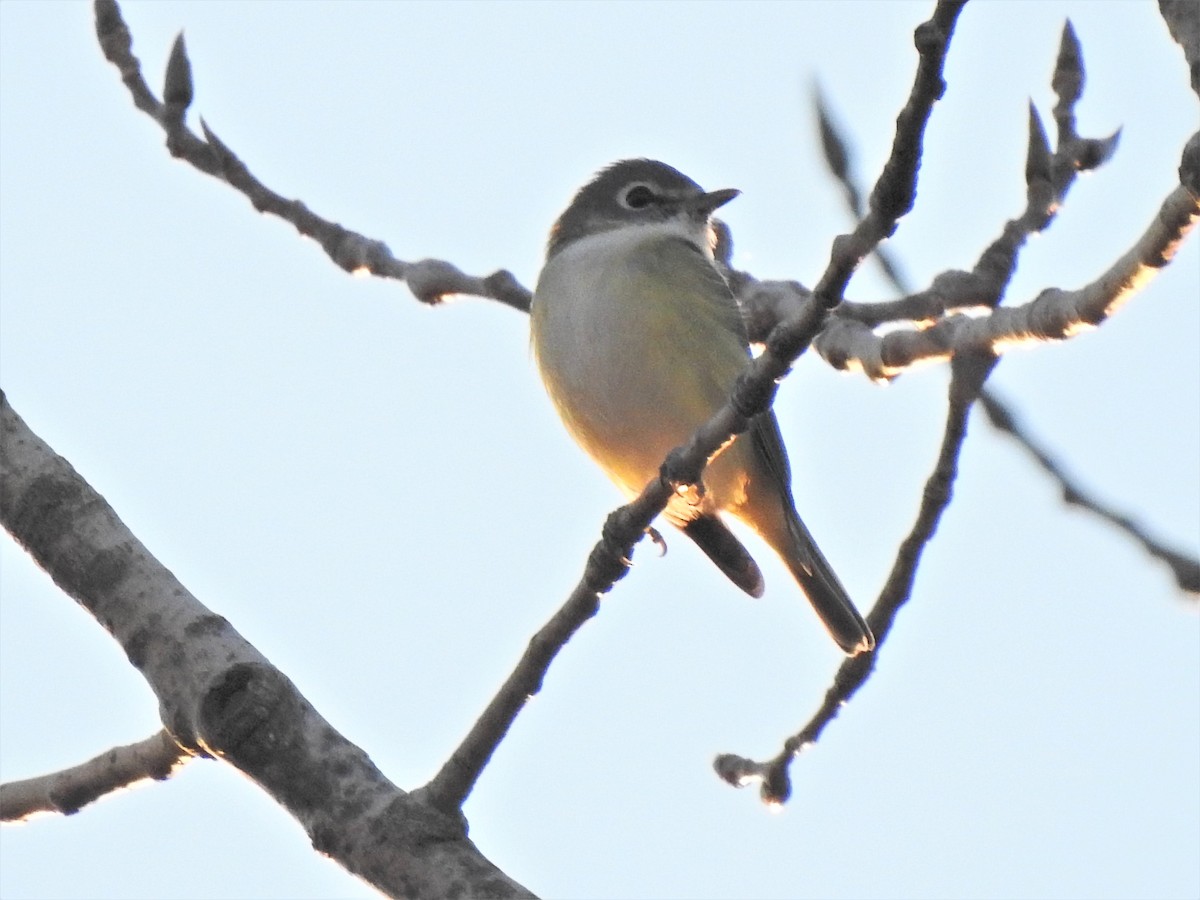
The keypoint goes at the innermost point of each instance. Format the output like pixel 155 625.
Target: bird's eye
pixel 638 196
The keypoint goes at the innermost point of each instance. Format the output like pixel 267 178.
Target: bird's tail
pixel 823 589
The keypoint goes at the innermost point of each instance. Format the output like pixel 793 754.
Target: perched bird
pixel 639 341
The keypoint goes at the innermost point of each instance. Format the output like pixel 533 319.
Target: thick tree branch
pixel 1183 21
pixel 219 695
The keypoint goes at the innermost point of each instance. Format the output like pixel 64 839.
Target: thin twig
pixel 850 342
pixel 1053 315
pixel 430 280
pixel 969 373
pixel 1185 569
pixel 895 190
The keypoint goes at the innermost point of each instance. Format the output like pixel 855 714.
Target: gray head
pixel 633 192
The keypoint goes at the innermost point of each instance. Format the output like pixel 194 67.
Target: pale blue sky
pixel 378 495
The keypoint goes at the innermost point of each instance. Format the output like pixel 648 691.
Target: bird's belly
pixel 624 378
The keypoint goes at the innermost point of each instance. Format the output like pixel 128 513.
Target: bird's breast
pixel 635 343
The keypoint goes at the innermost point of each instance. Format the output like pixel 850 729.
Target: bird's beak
pixel 706 203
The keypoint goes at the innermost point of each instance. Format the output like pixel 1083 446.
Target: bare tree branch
pixel 969 371
pixel 1054 315
pixel 681 473
pixel 218 695
pixel 755 391
pixel 925 307
pixel 896 189
pixel 1183 21
pixel 1185 569
pixel 782 314
pixel 972 345
pixel 68 791
pixel 851 343
pixel 430 280
pixel 1048 178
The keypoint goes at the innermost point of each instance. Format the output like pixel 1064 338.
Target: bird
pixel 639 339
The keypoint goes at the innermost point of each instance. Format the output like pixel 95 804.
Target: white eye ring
pixel 638 196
